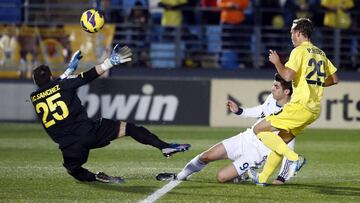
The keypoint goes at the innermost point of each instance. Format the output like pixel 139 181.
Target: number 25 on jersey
pixel 51 107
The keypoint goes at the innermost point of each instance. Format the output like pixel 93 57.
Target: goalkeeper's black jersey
pixel 60 111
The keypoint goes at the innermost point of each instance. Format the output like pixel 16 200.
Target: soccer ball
pixel 92 21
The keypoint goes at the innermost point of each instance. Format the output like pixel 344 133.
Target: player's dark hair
pixel 284 84
pixel 304 26
pixel 42 75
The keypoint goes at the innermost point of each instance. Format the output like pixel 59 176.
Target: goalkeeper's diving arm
pixel 117 57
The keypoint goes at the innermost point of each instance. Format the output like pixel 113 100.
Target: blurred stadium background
pixel 185 67
pixel 193 49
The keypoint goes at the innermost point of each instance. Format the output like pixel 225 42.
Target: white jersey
pixel 245 149
pixel 270 106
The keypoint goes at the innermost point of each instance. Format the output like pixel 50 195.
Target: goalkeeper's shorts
pixel 103 132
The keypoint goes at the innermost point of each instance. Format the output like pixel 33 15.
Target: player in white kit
pixel 244 149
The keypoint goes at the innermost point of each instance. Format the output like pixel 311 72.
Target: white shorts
pixel 245 150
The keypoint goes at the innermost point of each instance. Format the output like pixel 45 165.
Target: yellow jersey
pixel 312 67
pixel 172 17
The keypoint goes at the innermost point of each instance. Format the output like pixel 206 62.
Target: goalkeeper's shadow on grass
pixel 120 187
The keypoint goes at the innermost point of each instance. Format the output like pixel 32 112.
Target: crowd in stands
pixel 234 17
pixel 278 13
pixel 229 34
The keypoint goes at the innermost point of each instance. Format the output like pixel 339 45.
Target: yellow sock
pixel 276 144
pixel 272 161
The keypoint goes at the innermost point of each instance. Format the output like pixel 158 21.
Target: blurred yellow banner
pixel 24 47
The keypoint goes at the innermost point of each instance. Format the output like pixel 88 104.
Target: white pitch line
pixel 160 192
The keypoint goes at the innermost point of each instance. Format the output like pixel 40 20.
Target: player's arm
pixel 287 73
pixel 118 56
pixel 73 64
pixel 254 112
pixel 331 80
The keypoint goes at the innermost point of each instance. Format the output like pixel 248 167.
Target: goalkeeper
pixel 66 121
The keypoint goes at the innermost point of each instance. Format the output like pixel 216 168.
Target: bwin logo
pixel 120 106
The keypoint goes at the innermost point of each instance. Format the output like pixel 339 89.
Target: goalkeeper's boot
pixel 166 176
pixel 254 176
pixel 175 148
pixel 295 166
pixel 104 178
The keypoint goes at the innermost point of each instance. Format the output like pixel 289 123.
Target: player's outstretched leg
pixel 144 136
pixel 195 165
pixel 191 167
pixel 216 152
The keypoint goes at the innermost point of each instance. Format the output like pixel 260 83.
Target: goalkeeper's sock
pixel 144 136
pixel 195 165
pixel 276 144
pixel 271 163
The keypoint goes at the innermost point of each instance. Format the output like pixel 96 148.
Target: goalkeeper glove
pixel 118 56
pixel 73 64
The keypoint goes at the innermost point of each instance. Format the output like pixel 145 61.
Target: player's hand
pixel 74 61
pixel 120 55
pixel 73 64
pixel 232 106
pixel 273 57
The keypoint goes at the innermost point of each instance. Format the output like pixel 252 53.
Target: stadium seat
pixel 163 46
pixel 213 29
pixel 195 30
pixel 163 55
pixel 128 4
pixel 156 33
pixel 213 39
pixel 11 12
pixel 229 60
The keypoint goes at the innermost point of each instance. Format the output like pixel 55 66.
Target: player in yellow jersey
pixel 311 71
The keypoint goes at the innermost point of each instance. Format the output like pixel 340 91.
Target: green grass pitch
pixel 31 169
